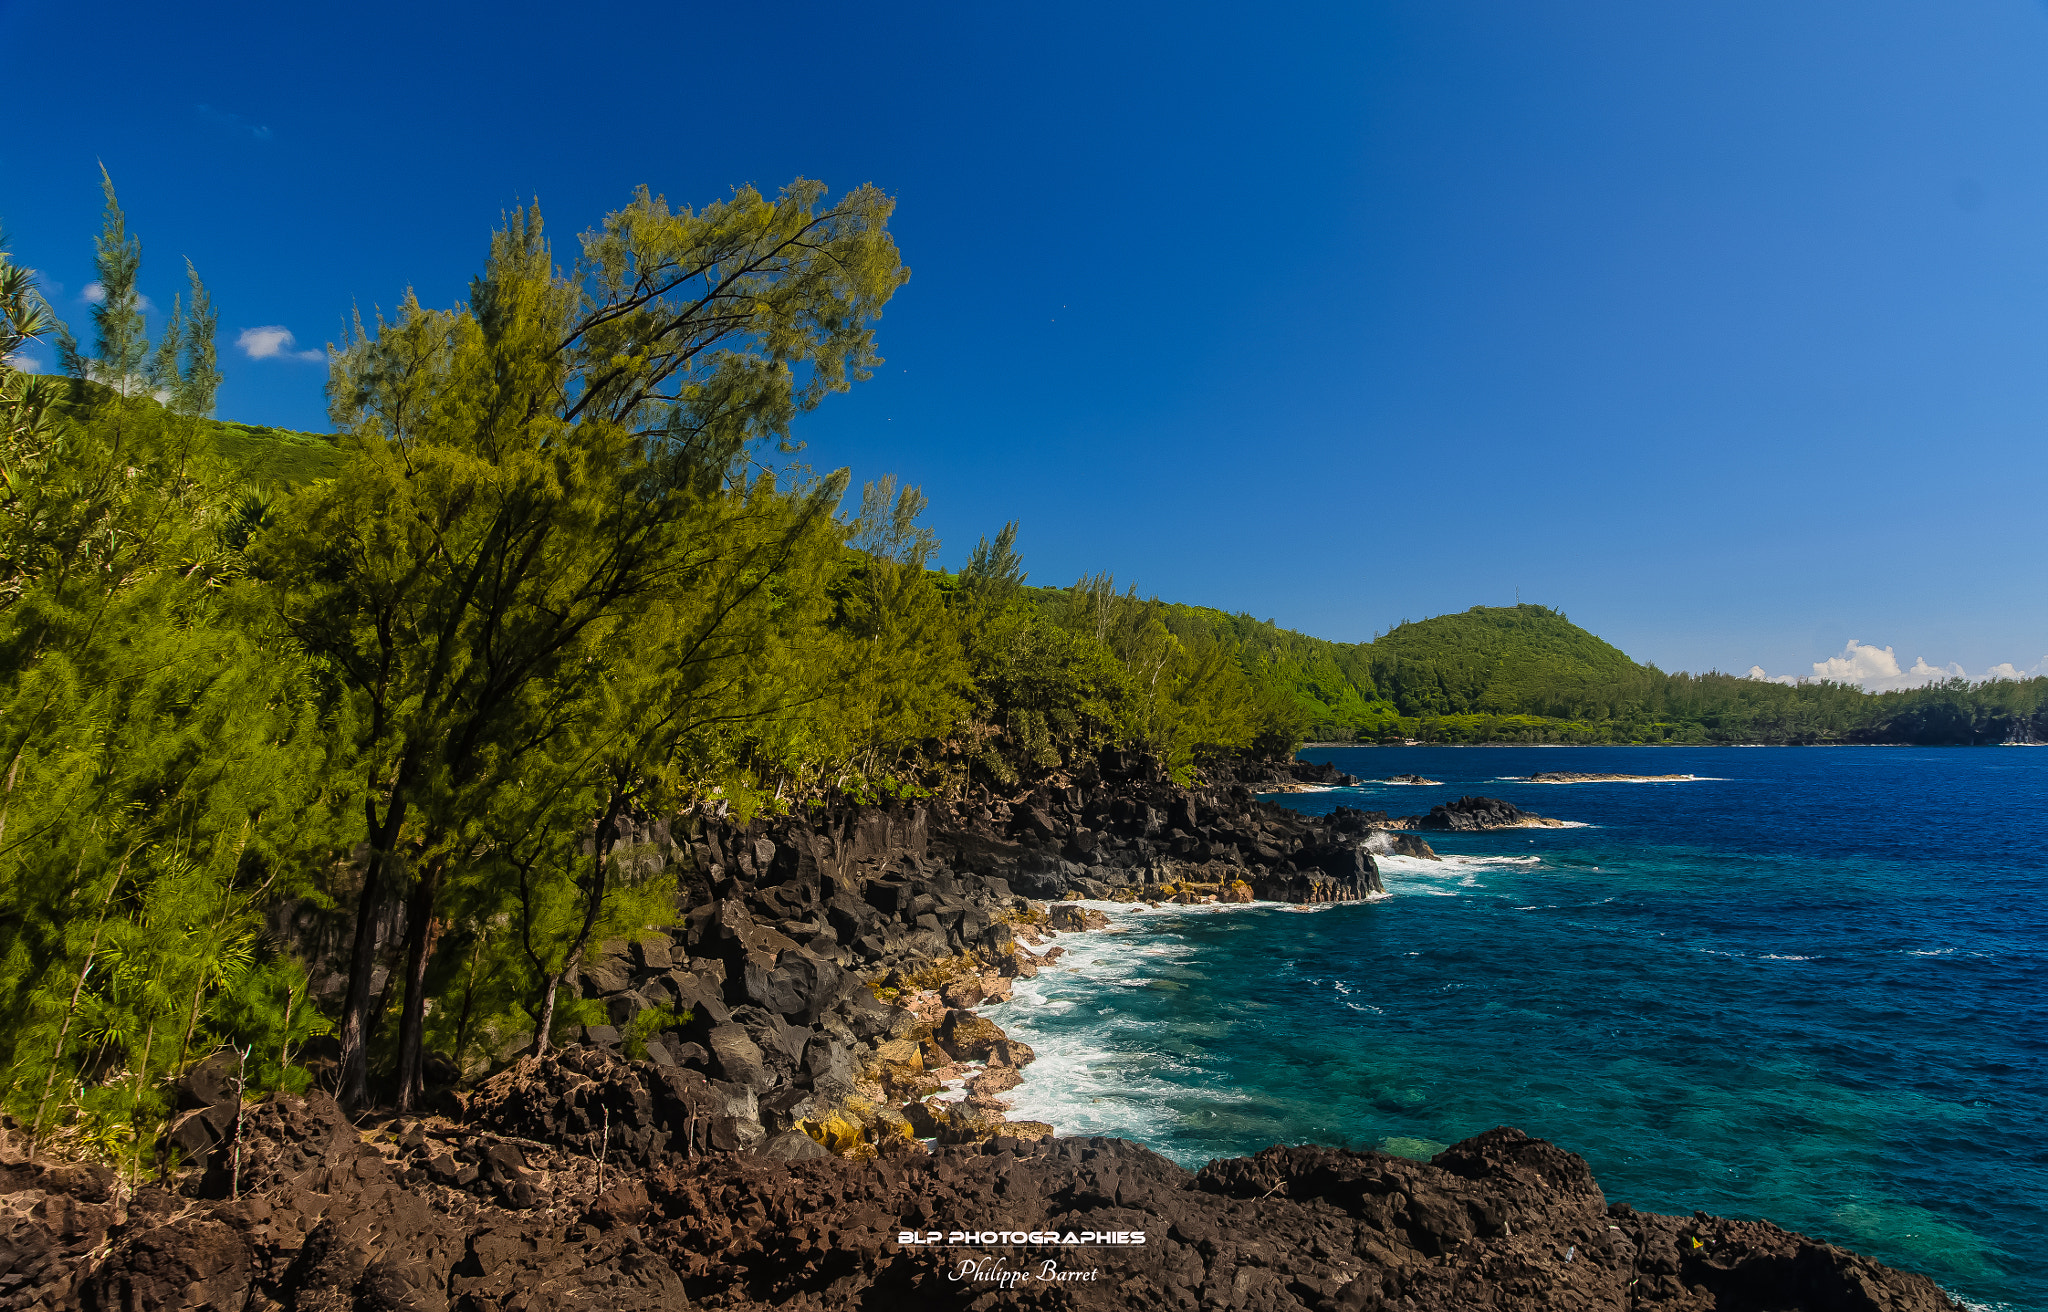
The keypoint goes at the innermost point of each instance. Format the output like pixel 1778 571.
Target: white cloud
pixel 1859 664
pixel 273 342
pixel 96 294
pixel 1877 669
pixel 23 362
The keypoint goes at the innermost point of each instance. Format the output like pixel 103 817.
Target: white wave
pixel 1785 956
pixel 1107 1076
pixel 1422 865
pixel 1649 779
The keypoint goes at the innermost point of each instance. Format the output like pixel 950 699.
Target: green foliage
pixel 1502 659
pixel 165 762
pixel 1526 674
pixel 1310 687
pixel 548 572
pixel 120 338
pixel 25 399
pixel 1044 695
pixel 260 456
pixel 646 1025
pixel 267 456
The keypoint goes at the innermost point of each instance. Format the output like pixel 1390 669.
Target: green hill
pixel 275 455
pixel 1492 673
pixel 1330 684
pixel 264 455
pixel 1526 660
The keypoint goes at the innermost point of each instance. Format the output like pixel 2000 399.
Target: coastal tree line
pixel 1526 674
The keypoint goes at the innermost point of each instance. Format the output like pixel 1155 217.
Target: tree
pixel 161 768
pixel 525 473
pixel 903 678
pixel 24 398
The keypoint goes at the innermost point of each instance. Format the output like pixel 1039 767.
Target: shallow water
pixel 1805 987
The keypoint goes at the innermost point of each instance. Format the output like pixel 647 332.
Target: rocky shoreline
pixel 835 1085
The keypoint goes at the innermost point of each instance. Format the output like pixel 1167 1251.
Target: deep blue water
pixel 1806 988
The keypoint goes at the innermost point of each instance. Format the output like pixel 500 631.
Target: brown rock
pixel 325 1225
pixel 996 1079
pixel 967 1036
pixel 1011 1053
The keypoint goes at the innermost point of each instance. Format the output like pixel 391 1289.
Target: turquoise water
pixel 1805 988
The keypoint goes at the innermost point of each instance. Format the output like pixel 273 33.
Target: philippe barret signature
pixel 999 1272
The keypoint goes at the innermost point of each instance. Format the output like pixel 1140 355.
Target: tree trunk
pixel 468 997
pixel 135 1101
pixel 284 1045
pixel 424 931
pixel 352 1089
pixel 593 907
pixel 546 1024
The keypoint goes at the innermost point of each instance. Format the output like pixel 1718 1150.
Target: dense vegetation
pixel 558 574
pixel 258 455
pixel 1526 674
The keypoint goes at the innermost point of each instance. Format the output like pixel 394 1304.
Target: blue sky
pixel 1722 328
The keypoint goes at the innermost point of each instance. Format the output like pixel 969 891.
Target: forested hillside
pixel 1518 660
pixel 1526 674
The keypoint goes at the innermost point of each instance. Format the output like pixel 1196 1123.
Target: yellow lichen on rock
pixel 840 1134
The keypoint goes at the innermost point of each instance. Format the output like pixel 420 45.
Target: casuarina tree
pixel 527 472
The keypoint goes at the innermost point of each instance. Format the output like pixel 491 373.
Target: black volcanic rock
pixel 332 1220
pixel 1468 814
pixel 704 1176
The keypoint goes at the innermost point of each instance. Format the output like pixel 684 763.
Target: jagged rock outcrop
pixel 789 926
pixel 431 1218
pixel 1472 814
pixel 1121 831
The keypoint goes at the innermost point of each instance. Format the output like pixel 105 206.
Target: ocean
pixel 1805 987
